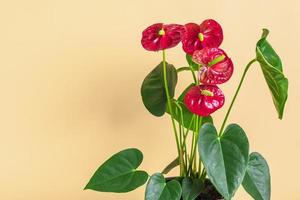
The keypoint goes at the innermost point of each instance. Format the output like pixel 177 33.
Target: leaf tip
pixel 280 116
pixel 265 33
pixel 86 187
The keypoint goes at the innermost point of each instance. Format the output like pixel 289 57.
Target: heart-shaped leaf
pixel 158 189
pixel 171 166
pixel 272 69
pixel 187 115
pixel 118 174
pixel 257 181
pixel 191 188
pixel 153 89
pixel 225 158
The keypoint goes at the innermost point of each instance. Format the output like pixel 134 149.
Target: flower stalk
pixel 171 112
pixel 235 95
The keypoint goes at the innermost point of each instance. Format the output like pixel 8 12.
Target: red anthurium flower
pixel 208 34
pixel 216 67
pixel 161 36
pixel 204 99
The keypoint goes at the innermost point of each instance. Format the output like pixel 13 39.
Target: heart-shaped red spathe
pixel 161 36
pixel 208 34
pixel 216 66
pixel 203 100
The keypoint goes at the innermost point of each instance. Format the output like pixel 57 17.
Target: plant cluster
pixel 218 159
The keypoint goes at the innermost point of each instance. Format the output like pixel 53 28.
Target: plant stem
pixel 171 112
pixel 195 133
pixel 184 142
pixel 194 76
pixel 191 153
pixel 197 137
pixel 195 141
pixel 182 138
pixel 183 69
pixel 199 167
pixel 198 129
pixel 188 129
pixel 235 95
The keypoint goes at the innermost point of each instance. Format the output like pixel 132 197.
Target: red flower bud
pixel 216 67
pixel 161 36
pixel 208 34
pixel 204 99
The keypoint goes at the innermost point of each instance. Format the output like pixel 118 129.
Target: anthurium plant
pixel 213 162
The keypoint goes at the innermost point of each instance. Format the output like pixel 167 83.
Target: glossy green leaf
pixel 191 188
pixel 272 69
pixel 171 166
pixel 191 63
pixel 158 189
pixel 225 158
pixel 119 174
pixel 187 115
pixel 153 90
pixel 257 181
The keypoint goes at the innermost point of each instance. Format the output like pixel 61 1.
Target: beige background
pixel 70 74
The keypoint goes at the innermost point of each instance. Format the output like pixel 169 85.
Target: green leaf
pixel 191 188
pixel 158 189
pixel 257 181
pixel 187 115
pixel 191 63
pixel 153 90
pixel 225 158
pixel 272 69
pixel 171 166
pixel 118 174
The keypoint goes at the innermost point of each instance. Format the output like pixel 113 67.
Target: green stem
pixel 195 134
pixel 184 142
pixel 188 129
pixel 182 137
pixel 183 69
pixel 188 69
pixel 171 111
pixel 199 167
pixel 183 170
pixel 194 76
pixel 235 95
pixel 192 148
pixel 195 141
pixel 203 174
